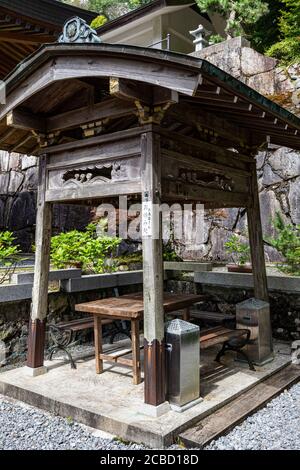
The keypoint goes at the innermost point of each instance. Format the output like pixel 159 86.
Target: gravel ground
pixel 277 426
pixel 23 427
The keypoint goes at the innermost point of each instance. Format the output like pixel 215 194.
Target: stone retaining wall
pixel 285 306
pixel 14 317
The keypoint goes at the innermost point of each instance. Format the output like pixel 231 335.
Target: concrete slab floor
pixel 110 402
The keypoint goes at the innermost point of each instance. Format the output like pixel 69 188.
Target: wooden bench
pixel 231 340
pixel 213 317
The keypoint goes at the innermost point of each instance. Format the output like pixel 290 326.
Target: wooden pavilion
pixel 165 126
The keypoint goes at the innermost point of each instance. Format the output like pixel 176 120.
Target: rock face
pixel 278 168
pixel 18 187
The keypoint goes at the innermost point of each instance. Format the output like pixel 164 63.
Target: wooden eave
pixel 209 99
pixel 26 24
pixel 140 13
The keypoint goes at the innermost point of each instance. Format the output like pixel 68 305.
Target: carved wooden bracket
pixel 94 128
pixel 152 115
pixel 45 140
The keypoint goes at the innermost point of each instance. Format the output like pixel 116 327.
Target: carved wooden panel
pixel 95 174
pixel 186 170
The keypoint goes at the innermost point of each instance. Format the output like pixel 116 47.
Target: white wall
pixel 155 27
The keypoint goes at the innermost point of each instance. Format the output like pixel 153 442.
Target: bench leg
pixel 98 344
pixel 186 314
pixel 57 348
pixel 226 347
pixel 245 356
pixel 135 340
pixel 221 353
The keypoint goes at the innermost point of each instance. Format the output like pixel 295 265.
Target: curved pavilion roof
pixel 61 78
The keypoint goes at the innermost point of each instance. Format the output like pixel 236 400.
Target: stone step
pixel 223 420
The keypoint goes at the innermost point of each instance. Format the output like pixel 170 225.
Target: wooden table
pixel 129 307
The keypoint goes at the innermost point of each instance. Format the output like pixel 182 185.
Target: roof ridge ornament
pixel 76 30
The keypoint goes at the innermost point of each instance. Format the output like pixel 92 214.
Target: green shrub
pixel 239 251
pixel 98 21
pixel 84 249
pixel 287 51
pixel 169 254
pixel 8 251
pixel 287 243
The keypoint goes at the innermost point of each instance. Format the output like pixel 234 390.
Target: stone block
pixel 269 177
pixel 285 162
pixel 254 63
pixel 294 199
pixel 4 160
pixel 23 211
pixel 57 275
pixel 28 162
pixel 4 183
pixel 264 82
pixel 16 179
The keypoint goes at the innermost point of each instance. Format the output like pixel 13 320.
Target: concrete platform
pixel 111 402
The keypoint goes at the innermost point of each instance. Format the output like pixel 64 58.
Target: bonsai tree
pixel 237 13
pixel 240 252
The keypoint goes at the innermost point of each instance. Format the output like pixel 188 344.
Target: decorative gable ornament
pixel 76 30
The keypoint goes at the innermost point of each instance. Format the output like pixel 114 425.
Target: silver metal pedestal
pixel 183 361
pixel 254 315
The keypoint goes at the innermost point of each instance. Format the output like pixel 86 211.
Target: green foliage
pixel 169 254
pixel 113 8
pixel 287 242
pixel 265 32
pixel 86 249
pixel 239 251
pixel 99 21
pixel 8 251
pixel 238 14
pixel 287 50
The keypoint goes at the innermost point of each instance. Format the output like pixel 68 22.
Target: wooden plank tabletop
pixel 132 306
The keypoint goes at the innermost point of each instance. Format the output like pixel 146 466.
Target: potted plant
pixel 240 254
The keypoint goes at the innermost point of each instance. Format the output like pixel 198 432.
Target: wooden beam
pixel 198 118
pixel 143 93
pixel 174 190
pixel 25 38
pixel 6 135
pixel 93 191
pixel 171 137
pixel 108 109
pixel 129 90
pixel 39 307
pixel 154 346
pixel 19 119
pixel 256 242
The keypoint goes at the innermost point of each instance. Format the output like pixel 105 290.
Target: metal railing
pixel 167 40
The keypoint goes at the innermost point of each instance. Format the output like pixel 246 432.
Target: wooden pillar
pixel 256 241
pixel 154 352
pixel 39 306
